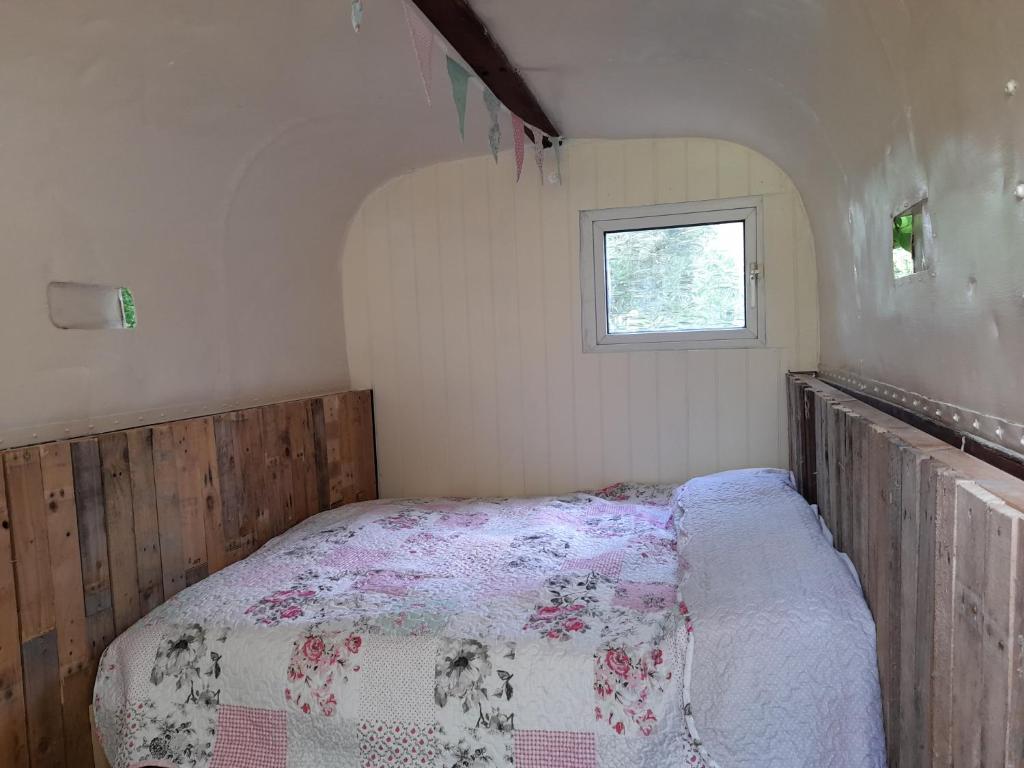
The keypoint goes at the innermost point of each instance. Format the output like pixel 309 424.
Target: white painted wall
pixel 461 303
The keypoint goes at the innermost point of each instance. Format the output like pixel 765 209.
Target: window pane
pixel 676 279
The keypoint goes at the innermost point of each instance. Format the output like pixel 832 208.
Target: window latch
pixel 755 271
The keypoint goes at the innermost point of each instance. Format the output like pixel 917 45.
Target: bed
pixel 628 627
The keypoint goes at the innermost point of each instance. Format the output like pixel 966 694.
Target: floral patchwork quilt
pixel 450 633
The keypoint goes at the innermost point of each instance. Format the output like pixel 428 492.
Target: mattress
pixel 638 626
pixel 535 633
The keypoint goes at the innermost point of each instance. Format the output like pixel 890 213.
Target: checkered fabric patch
pixel 609 563
pixel 554 749
pixel 250 738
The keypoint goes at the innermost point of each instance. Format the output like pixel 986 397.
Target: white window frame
pixel 594 224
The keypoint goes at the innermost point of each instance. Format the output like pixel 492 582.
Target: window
pixel 82 306
pixel 681 276
pixel 908 242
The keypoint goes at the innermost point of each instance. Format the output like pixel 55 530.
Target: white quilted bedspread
pixel 786 673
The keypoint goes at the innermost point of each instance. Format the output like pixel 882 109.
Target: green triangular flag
pixel 460 79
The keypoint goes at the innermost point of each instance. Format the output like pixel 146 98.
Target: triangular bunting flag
pixel 538 155
pixel 423 45
pixel 357 14
pixel 519 139
pixel 556 174
pixel 494 134
pixel 460 79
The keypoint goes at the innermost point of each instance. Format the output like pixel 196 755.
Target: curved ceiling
pixel 235 140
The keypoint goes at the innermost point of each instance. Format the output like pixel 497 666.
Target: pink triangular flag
pixel 423 44
pixel 519 138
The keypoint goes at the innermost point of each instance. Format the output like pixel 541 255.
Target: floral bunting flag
pixel 519 140
pixel 460 80
pixel 494 134
pixel 357 14
pixel 538 155
pixel 423 46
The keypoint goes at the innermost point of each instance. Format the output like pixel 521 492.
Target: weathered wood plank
pixel 147 523
pixel 943 681
pixel 353 477
pixel 981 653
pixel 323 479
pixel 168 507
pixel 92 543
pixel 808 445
pixel 13 726
pixel 216 550
pixel 191 500
pixel 225 430
pixel 249 442
pixel 120 521
pixel 910 726
pixel 31 542
pixel 76 696
pixel 1015 730
pixel 304 451
pixel 277 477
pixel 65 557
pixel 43 701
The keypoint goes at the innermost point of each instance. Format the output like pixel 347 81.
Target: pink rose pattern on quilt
pixel 451 633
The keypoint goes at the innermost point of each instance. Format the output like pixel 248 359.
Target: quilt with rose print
pixel 535 633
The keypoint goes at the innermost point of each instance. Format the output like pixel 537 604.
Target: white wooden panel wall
pixel 462 312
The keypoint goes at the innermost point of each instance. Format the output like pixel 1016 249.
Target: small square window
pixel 680 276
pixel 908 242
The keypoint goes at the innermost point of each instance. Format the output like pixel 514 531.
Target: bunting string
pixel 425 39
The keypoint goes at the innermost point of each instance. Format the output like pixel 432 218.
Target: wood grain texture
pixel 935 537
pixel 97 532
pixel 31 542
pixel 147 523
pixel 13 726
pixel 462 310
pixel 65 563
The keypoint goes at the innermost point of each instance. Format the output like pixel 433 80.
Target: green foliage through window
pixel 907 257
pixel 676 279
pixel 128 314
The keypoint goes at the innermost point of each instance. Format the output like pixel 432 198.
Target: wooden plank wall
pixel 936 537
pixel 96 532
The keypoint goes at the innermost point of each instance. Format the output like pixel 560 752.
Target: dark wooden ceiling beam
pixel 461 27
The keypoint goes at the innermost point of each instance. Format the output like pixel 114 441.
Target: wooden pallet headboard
pixel 96 532
pixel 938 541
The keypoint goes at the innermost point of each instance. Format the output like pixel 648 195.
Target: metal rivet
pixel 956 417
pixel 917 402
pixel 1011 87
pixel 975 424
pixel 999 431
pixel 1018 191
